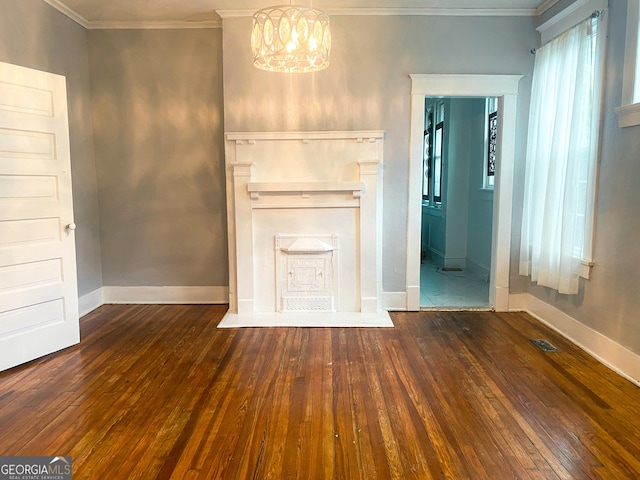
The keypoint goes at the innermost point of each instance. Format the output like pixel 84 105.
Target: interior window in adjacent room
pixel 490 141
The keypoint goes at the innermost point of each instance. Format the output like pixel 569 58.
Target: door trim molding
pixel 505 87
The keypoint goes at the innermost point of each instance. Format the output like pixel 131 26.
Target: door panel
pixel 38 286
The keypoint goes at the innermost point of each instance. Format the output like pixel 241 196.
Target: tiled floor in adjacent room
pixel 452 289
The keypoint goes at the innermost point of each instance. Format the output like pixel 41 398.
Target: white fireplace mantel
pixel 306 186
pixel 305 189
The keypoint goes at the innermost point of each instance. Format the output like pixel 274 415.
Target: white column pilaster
pixel 243 236
pixel 370 236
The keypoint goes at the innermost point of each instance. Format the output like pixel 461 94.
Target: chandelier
pixel 290 38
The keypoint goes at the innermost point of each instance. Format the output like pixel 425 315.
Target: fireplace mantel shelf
pixel 252 138
pixel 256 188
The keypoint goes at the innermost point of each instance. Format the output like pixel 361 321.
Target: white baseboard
pixel 89 302
pixel 455 262
pixel 612 354
pixel 394 301
pixel 166 295
pixel 518 302
pixel 435 256
pixel 477 268
pixel 500 299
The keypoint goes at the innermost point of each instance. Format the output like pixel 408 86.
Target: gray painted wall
pixel 458 135
pixel 157 115
pixel 610 301
pixel 367 86
pixel 35 35
pixel 480 200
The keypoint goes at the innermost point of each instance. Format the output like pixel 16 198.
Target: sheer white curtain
pixel 561 161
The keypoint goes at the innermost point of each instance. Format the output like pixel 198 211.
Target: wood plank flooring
pixel 158 392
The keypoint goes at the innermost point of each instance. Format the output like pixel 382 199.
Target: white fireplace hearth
pixel 305 229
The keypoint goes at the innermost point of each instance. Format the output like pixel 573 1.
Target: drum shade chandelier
pixel 291 38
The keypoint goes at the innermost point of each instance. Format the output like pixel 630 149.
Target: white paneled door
pixel 38 291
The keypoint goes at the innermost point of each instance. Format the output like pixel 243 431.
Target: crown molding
pixel 148 25
pixel 456 12
pixel 123 25
pixel 62 8
pixel 569 17
pixel 545 6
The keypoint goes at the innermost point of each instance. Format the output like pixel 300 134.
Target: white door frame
pixel 505 87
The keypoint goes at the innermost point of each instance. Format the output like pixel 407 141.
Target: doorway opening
pixel 505 89
pixel 459 159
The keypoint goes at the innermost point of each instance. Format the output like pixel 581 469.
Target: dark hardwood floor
pixel 160 392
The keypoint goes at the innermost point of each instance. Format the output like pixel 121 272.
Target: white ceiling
pixel 103 13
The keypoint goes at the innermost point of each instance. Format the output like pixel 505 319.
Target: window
pixel 491 141
pixel 437 153
pixel 562 145
pixel 428 151
pixel 629 111
pixel 432 157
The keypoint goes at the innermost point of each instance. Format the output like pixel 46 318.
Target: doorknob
pixel 70 227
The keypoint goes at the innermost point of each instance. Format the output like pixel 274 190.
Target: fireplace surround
pixel 304 213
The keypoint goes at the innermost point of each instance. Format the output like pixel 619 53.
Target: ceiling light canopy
pixel 290 38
